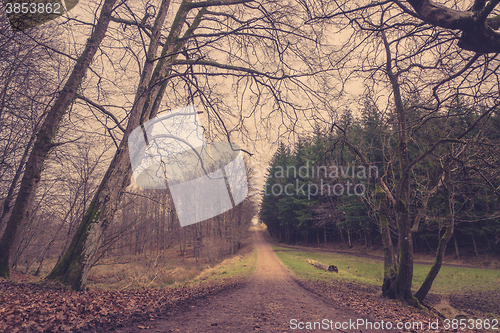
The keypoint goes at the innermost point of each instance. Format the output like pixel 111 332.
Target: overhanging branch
pixel 241 69
pixel 477 33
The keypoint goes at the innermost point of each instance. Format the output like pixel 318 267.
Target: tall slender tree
pixel 44 141
pixel 200 33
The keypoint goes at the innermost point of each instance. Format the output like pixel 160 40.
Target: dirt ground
pixel 268 303
pixel 270 300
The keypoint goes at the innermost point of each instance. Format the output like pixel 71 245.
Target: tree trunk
pixel 443 242
pixel 368 237
pixel 349 238
pixel 389 262
pixel 476 252
pixel 182 244
pixel 324 267
pixel 457 254
pixel 400 285
pixel 438 261
pixel 341 235
pixel 43 143
pixel 19 171
pixel 76 263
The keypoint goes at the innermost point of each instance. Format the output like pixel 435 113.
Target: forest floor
pixel 270 300
pixel 267 302
pixel 274 301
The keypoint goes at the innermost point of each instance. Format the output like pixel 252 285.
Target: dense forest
pixel 332 195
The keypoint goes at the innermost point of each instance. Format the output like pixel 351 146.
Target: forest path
pixel 267 302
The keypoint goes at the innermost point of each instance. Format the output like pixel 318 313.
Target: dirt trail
pixel 267 303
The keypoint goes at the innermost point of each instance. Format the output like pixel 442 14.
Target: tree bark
pixel 19 171
pixel 341 235
pixel 47 132
pixel 399 286
pixel 368 235
pixel 457 253
pixel 324 232
pixel 389 262
pixel 476 252
pixel 77 261
pixel 479 33
pixel 443 242
pixel 438 261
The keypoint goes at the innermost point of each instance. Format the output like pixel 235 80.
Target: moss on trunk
pixel 69 270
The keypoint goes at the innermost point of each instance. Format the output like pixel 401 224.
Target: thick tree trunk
pixel 75 263
pixel 479 32
pixel 81 255
pixel 43 143
pixel 389 262
pixel 400 285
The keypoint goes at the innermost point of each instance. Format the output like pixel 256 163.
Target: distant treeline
pixel 318 190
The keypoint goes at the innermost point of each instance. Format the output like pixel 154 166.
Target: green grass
pixel 169 269
pixel 355 269
pixel 459 280
pixel 172 271
pixel 279 248
pixel 235 267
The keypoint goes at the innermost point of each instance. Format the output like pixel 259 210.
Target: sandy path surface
pixel 267 303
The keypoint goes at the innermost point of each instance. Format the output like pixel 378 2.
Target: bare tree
pixel 43 144
pixel 27 82
pixel 247 40
pixel 414 58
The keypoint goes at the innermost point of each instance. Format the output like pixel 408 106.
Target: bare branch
pixel 487 10
pixel 102 109
pixel 214 3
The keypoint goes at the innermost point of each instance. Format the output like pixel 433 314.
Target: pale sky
pixel 120 77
